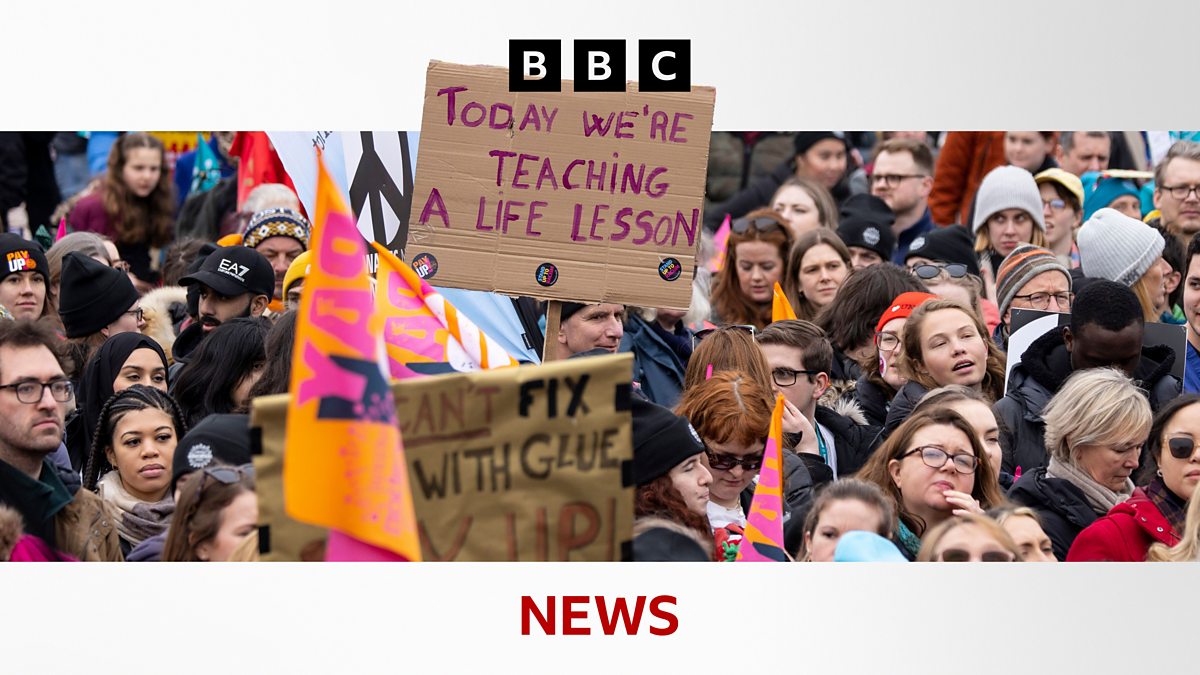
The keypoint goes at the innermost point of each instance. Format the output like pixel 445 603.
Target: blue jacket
pixel 657 369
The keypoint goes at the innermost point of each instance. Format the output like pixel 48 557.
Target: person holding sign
pixel 671 502
pixel 756 258
pixel 1095 427
pixel 932 469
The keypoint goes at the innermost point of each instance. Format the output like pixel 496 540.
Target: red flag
pixel 258 163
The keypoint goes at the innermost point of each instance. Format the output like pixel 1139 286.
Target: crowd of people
pixel 134 342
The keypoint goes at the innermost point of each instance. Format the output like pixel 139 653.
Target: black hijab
pixel 96 385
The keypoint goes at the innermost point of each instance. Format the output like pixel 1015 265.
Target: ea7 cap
pixel 234 270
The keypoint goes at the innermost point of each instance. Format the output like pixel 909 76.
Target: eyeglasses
pixel 32 391
pixel 1181 448
pixel 762 224
pixel 122 265
pixel 893 179
pixel 1054 204
pixel 699 335
pixel 1181 192
pixel 959 555
pixel 886 342
pixel 1042 300
pixel 786 377
pixel 138 313
pixel 725 462
pixel 932 270
pixel 935 458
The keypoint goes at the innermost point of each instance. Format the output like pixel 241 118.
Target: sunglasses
pixel 762 224
pixel 959 555
pixel 927 271
pixel 1181 448
pixel 226 475
pixel 699 335
pixel 725 462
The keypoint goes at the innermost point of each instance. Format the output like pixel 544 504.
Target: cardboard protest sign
pixel 515 464
pixel 1030 324
pixel 591 197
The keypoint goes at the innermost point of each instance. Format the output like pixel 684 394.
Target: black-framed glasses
pixel 929 271
pixel 138 313
pixel 725 462
pixel 1181 192
pixel 960 555
pixel 1181 448
pixel 32 391
pixel 761 223
pixel 893 179
pixel 886 341
pixel 1042 300
pixel 699 335
pixel 935 458
pixel 1054 204
pixel 786 377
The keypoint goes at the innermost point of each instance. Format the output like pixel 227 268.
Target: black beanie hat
pixel 866 221
pixel 953 244
pixel 92 295
pixel 570 309
pixel 661 440
pixel 807 139
pixel 22 255
pixel 216 439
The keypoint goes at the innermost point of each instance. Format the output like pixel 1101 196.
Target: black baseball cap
pixel 234 270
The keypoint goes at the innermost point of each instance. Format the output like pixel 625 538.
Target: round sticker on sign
pixel 425 265
pixel 670 269
pixel 546 274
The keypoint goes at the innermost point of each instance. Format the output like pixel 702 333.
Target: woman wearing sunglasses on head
pixel 755 259
pixel 945 343
pixel 1156 512
pixel 932 469
pixel 131 458
pixel 1095 427
pixel 817 266
pixel 217 511
pixel 969 538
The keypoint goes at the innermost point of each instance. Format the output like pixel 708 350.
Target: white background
pixel 350 64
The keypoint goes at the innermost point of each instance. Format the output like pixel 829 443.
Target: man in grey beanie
pixel 1116 247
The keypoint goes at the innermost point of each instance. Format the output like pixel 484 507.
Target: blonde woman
pixel 1095 428
pixel 968 538
pixel 1188 548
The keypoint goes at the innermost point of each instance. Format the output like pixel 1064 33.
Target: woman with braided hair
pixel 131 457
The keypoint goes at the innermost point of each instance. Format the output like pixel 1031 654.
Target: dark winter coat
pixel 902 405
pixel 657 368
pixel 873 400
pixel 1062 507
pixel 1042 370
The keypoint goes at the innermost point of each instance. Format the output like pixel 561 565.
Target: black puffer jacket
pixel 1043 369
pixel 902 405
pixel 852 442
pixel 1061 506
pixel 872 399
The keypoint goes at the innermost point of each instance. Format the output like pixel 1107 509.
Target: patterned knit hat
pixel 1116 247
pixel 1020 267
pixel 276 223
pixel 1007 187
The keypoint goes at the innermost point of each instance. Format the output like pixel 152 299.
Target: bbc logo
pixel 663 65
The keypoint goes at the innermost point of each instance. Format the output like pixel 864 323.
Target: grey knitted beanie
pixel 1116 247
pixel 1007 187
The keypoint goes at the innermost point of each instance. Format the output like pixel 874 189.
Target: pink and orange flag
pixel 781 309
pixel 762 540
pixel 720 243
pixel 345 467
pixel 424 334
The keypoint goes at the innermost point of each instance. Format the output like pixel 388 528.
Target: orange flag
pixel 781 309
pixel 345 467
pixel 763 537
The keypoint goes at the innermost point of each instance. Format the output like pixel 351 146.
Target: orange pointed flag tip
pixel 781 309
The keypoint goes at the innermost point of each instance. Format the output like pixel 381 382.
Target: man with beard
pixel 902 177
pixel 234 281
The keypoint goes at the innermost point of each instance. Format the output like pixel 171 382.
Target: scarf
pixel 1100 498
pixel 910 541
pixel 1169 504
pixel 139 520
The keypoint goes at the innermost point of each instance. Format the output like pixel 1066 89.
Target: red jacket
pixel 1125 534
pixel 964 160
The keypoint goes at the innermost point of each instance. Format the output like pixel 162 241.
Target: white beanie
pixel 1007 187
pixel 1116 247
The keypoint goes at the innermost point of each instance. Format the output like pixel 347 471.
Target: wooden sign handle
pixel 553 322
